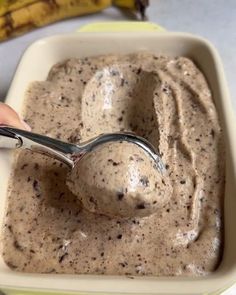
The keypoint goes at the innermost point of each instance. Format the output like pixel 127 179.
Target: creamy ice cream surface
pixel 155 225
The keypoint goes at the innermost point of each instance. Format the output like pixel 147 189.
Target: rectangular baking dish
pixel 34 65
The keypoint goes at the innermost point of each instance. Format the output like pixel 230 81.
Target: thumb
pixel 9 117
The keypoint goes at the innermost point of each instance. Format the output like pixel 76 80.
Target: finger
pixel 9 117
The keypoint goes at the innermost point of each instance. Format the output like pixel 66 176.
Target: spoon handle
pixel 16 138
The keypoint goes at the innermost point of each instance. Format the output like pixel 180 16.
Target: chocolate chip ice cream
pixel 166 100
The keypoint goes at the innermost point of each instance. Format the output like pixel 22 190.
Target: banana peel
pixel 18 17
pixel 40 13
pixel 138 5
pixel 10 5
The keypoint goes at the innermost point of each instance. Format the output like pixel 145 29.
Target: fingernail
pixel 27 127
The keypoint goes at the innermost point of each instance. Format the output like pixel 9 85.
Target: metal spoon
pixel 71 153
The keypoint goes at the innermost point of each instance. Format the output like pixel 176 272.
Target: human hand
pixel 9 117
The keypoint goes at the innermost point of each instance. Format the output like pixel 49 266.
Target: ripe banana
pixel 18 17
pixel 10 5
pixel 38 13
pixel 136 5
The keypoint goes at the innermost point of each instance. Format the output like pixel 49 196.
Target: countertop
pixel 212 19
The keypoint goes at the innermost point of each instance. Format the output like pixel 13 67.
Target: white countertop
pixel 212 19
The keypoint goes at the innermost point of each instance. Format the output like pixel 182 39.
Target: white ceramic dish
pixel 35 65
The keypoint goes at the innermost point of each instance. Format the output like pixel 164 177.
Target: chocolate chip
pixel 61 195
pixel 36 166
pixel 120 195
pixel 36 188
pixel 119 237
pixel 144 180
pixel 138 158
pixel 182 181
pixel 139 71
pixel 23 166
pixel 92 200
pixel 61 258
pixel 18 246
pixel 74 137
pixel 212 133
pixel 156 185
pixel 9 228
pixel 113 162
pixel 140 206
pixel 35 185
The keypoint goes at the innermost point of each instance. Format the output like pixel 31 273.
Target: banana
pixel 18 17
pixel 135 5
pixel 125 3
pixel 10 5
pixel 40 13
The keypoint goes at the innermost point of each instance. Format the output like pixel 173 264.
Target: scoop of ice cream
pixel 119 180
